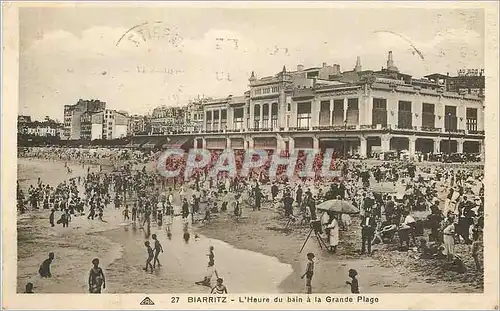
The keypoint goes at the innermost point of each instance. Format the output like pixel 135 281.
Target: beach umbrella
pixel 338 206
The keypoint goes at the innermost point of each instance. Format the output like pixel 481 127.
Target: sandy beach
pixel 244 250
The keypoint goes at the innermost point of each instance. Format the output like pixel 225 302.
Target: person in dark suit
pixel 367 230
pixel 274 191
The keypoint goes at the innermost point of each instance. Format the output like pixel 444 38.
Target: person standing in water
pixel 125 213
pixel 150 256
pixel 211 255
pixel 158 248
pixel 134 212
pixel 96 278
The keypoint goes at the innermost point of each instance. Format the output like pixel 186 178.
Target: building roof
pixel 436 76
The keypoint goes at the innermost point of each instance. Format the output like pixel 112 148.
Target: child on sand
pixel 150 256
pixel 309 272
pixel 96 278
pixel 44 270
pixel 354 282
pixel 220 288
pixel 208 277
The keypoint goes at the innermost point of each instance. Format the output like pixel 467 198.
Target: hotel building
pixel 359 111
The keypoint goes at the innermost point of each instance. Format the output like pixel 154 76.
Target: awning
pixel 176 142
pixel 133 145
pixel 155 142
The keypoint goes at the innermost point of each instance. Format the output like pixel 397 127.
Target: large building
pixel 359 111
pixel 193 118
pixel 138 125
pixel 45 128
pixel 168 120
pixel 73 114
pixel 106 124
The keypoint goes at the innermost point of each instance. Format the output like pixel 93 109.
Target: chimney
pixel 358 64
pixel 390 63
pixel 300 67
pixel 336 69
pixel 324 65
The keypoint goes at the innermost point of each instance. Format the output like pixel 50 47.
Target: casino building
pixel 359 111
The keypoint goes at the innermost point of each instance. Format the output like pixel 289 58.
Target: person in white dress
pixel 333 228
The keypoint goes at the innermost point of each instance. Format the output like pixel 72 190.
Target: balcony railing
pixel 430 129
pixel 335 128
pixel 475 132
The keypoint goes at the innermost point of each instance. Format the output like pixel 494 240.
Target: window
pixel 428 117
pixel 238 118
pixel 223 116
pixel 338 112
pixel 324 113
pixel 256 116
pixel 304 115
pixel 289 107
pixel 258 91
pixel 209 120
pixel 404 115
pixel 267 90
pixel 352 115
pixel 450 118
pixel 379 111
pixel 471 119
pixel 275 89
pixel 274 115
pixel 265 115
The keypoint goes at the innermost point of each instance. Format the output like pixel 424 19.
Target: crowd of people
pixel 395 200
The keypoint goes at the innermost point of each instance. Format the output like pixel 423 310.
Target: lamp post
pixel 449 136
pixel 345 139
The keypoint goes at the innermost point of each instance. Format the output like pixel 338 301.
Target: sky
pixel 176 54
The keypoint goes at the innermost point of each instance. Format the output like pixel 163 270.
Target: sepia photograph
pixel 244 150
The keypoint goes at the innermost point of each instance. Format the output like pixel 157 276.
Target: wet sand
pixel 184 263
pixel 120 248
pixel 74 247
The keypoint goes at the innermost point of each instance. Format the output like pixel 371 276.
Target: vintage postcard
pixel 250 155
